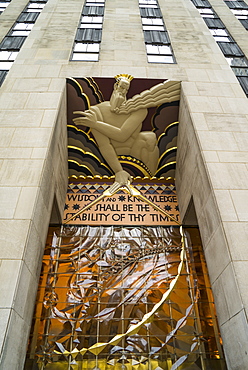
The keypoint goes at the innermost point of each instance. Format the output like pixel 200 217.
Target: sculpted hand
pixel 89 118
pixel 121 178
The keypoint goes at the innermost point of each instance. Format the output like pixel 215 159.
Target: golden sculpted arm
pixel 89 118
pixel 104 133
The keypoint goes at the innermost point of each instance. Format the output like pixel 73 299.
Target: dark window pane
pixel 236 4
pixel 244 22
pixel 150 13
pixel 93 10
pixel 12 42
pixel 28 17
pixel 238 62
pixel 3 74
pixel 244 83
pixel 230 49
pixel 156 37
pixel 89 35
pixel 214 23
pixel 201 3
pixel 240 72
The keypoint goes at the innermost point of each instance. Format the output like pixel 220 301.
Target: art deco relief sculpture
pixel 116 124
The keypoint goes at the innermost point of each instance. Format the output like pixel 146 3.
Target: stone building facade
pixel 212 169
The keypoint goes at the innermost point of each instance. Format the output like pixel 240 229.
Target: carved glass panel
pixel 99 283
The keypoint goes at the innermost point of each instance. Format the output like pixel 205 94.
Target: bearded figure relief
pixel 116 125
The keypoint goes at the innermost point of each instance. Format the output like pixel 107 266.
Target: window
pixel 160 59
pixel 240 68
pixel 86 19
pixel 206 12
pixel 230 49
pixel 89 32
pixel 150 13
pixel 85 51
pixel 152 21
pixel 3 75
pixel 7 59
pixel 214 23
pixel 159 54
pixel 148 2
pixel 156 37
pixel 227 44
pixel 237 62
pixel 240 10
pixel 218 32
pixel 153 28
pixel 236 4
pixel 158 46
pixel 201 3
pixel 243 80
pixel 220 35
pixel 3 5
pixel 13 41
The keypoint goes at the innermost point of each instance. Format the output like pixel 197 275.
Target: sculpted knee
pixel 149 139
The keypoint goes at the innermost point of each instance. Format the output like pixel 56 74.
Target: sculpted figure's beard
pixel 116 101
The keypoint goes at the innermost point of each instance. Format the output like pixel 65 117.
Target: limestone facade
pixel 212 166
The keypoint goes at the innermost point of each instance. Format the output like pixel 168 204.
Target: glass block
pixel 160 59
pixel 36 5
pixel 222 39
pixel 34 10
pixel 148 2
pixel 165 49
pixel 242 16
pixel 86 19
pixel 5 66
pixel 240 71
pixel 91 25
pixel 208 16
pixel 205 11
pixel 5 55
pixel 94 4
pixel 239 11
pixel 148 6
pixel 218 32
pixel 153 28
pixel 20 33
pixel 237 62
pixel 23 26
